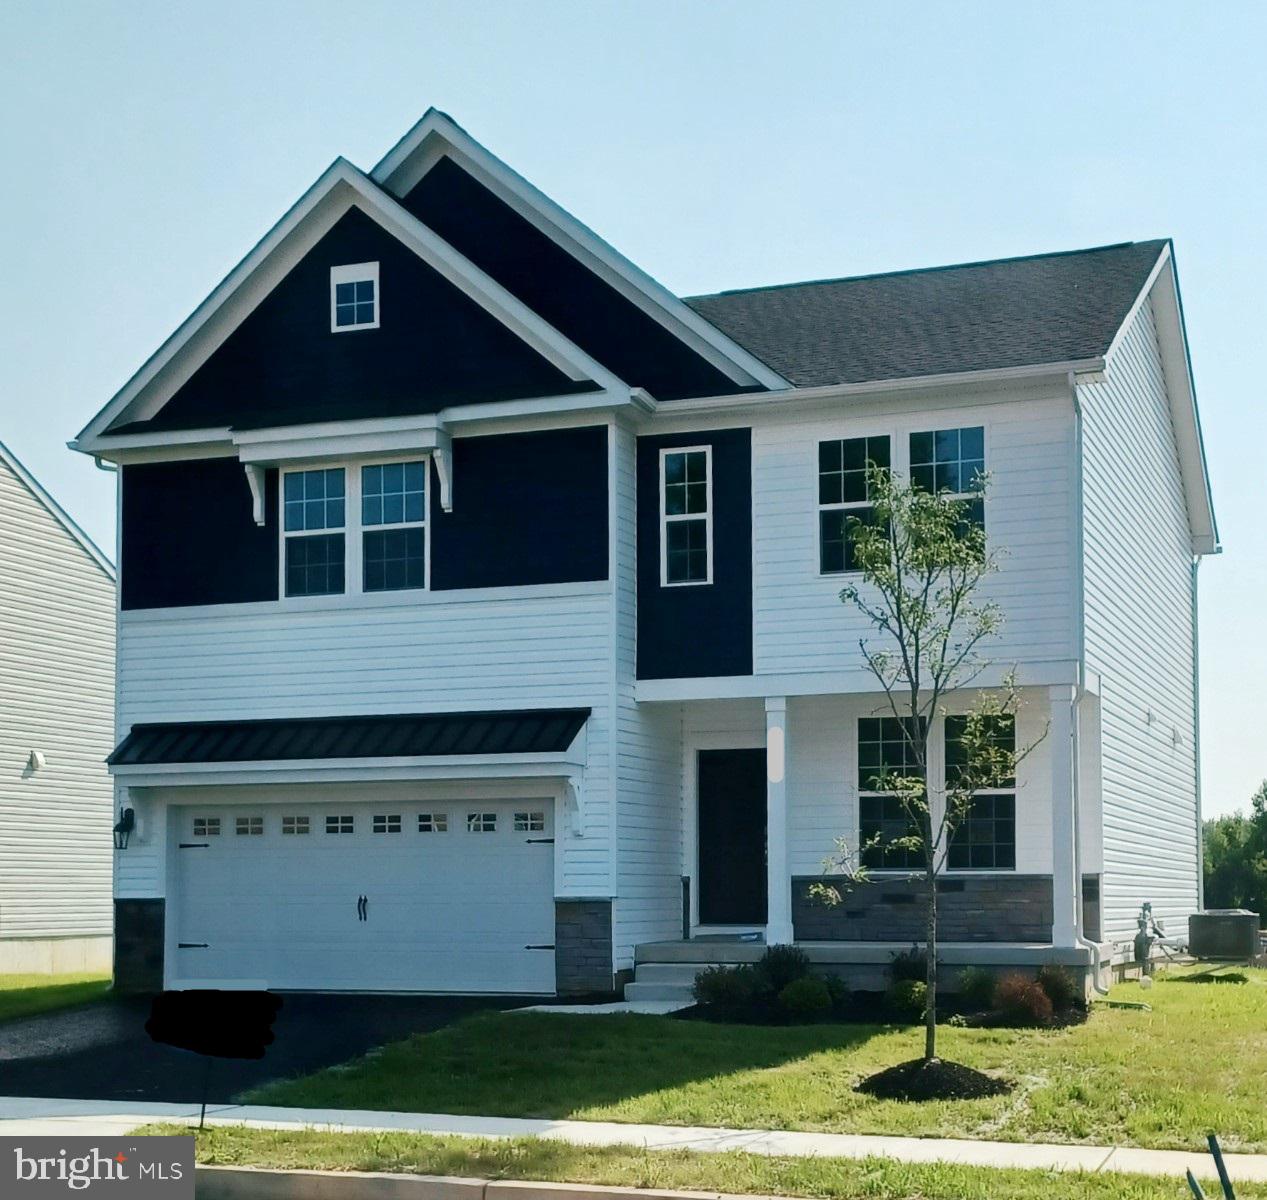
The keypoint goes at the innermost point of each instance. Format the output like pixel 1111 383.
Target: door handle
pixel 362 908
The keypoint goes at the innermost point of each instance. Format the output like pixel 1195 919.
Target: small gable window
pixel 354 299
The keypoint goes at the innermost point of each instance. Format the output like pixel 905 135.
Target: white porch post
pixel 1064 886
pixel 778 930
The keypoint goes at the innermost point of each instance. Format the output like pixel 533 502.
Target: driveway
pixel 102 1052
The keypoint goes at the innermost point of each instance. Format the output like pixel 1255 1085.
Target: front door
pixel 731 787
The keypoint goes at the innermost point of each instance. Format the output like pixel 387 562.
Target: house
pixel 479 626
pixel 57 622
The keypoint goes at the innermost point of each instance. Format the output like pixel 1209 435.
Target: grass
pixel 24 995
pixel 1196 1063
pixel 628 1166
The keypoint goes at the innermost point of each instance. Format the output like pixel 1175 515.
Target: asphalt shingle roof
pixel 977 316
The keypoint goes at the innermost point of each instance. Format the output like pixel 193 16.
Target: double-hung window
pixel 884 751
pixel 952 462
pixel 844 497
pixel 314 511
pixel 352 529
pixel 985 836
pixel 686 516
pixel 394 535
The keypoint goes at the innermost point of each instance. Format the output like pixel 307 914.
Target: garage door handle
pixel 540 841
pixel 549 947
pixel 362 908
pixel 191 946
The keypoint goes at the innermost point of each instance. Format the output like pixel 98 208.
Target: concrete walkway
pixel 35 1117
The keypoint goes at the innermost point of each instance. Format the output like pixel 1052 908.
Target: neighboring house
pixel 57 623
pixel 479 624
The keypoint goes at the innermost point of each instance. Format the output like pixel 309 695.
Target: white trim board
pixel 437 135
pixel 339 188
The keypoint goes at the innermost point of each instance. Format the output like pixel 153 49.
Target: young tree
pixel 921 558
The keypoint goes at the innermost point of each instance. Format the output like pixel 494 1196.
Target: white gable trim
pixel 339 188
pixel 437 135
pixel 1162 290
pixel 55 510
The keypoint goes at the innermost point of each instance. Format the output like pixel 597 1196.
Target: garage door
pixel 455 897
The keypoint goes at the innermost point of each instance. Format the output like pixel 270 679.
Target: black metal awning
pixel 405 735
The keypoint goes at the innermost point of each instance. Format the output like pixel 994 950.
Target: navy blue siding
pixel 549 280
pixel 528 508
pixel 283 365
pixel 705 629
pixel 188 536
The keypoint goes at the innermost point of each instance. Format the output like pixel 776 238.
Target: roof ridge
pixel 984 262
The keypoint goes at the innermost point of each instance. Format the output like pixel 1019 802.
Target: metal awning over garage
pixel 543 731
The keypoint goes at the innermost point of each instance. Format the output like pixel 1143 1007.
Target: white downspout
pixel 1079 932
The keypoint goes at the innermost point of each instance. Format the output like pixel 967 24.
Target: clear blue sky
pixel 148 145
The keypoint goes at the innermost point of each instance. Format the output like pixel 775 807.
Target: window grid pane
pixel 293 826
pixel 844 497
pixel 948 460
pixel 394 559
pixel 686 553
pixel 884 819
pixel 386 823
pixel 343 823
pixel 1000 731
pixel 883 749
pixel 313 500
pixel 434 822
pixel 354 303
pixel 393 493
pixel 985 839
pixel 314 565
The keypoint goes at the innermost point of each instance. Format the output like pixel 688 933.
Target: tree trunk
pixel 930 1012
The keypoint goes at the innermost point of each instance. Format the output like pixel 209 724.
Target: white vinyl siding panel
pixel 57 611
pixel 799 623
pixel 521 651
pixel 1139 637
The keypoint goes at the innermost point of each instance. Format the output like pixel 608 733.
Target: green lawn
pixel 22 995
pixel 628 1166
pixel 1165 1078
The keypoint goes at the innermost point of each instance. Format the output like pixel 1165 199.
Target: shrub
pixel 806 999
pixel 838 990
pixel 976 989
pixel 909 964
pixel 907 999
pixel 728 992
pixel 1022 1001
pixel 1060 987
pixel 781 965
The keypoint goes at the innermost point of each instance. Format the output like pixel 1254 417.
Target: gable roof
pixel 1045 308
pixel 339 188
pixel 55 510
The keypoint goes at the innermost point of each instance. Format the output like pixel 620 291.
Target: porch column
pixel 778 930
pixel 1064 889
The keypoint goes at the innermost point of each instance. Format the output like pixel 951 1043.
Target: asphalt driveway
pixel 101 1051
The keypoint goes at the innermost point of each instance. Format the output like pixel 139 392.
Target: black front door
pixel 732 822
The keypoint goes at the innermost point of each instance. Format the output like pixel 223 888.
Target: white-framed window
pixel 951 462
pixel 386 823
pixel 206 827
pixel 354 297
pixel 295 825
pixel 884 751
pixel 985 838
pixel 354 528
pixel 530 822
pixel 433 822
pixel 481 822
pixel 686 516
pixel 342 823
pixel 844 495
pixel 249 826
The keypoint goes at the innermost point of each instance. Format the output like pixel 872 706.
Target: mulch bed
pixel 934 1079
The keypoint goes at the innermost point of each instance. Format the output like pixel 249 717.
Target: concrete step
pixel 658 991
pixel 683 974
pixel 698 953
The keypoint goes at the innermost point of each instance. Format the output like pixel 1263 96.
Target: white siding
pixel 800 625
pixel 498 651
pixel 1139 636
pixel 648 905
pixel 56 697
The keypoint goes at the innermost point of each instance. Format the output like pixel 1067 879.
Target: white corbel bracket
pixel 442 456
pixel 255 481
pixel 573 810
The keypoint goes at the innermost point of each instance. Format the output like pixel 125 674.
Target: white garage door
pixel 455 897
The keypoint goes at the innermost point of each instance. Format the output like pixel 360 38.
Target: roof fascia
pixel 340 187
pixel 1162 290
pixel 56 511
pixel 437 135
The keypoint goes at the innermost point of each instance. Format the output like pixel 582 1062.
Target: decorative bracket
pixel 255 481
pixel 572 806
pixel 442 455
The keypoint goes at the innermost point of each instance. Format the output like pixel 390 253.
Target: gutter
pixel 1079 932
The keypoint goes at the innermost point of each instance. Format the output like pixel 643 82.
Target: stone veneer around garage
pixel 583 947
pixel 138 946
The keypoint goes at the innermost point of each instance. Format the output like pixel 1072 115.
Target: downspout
pixel 1079 933
pixel 1196 737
